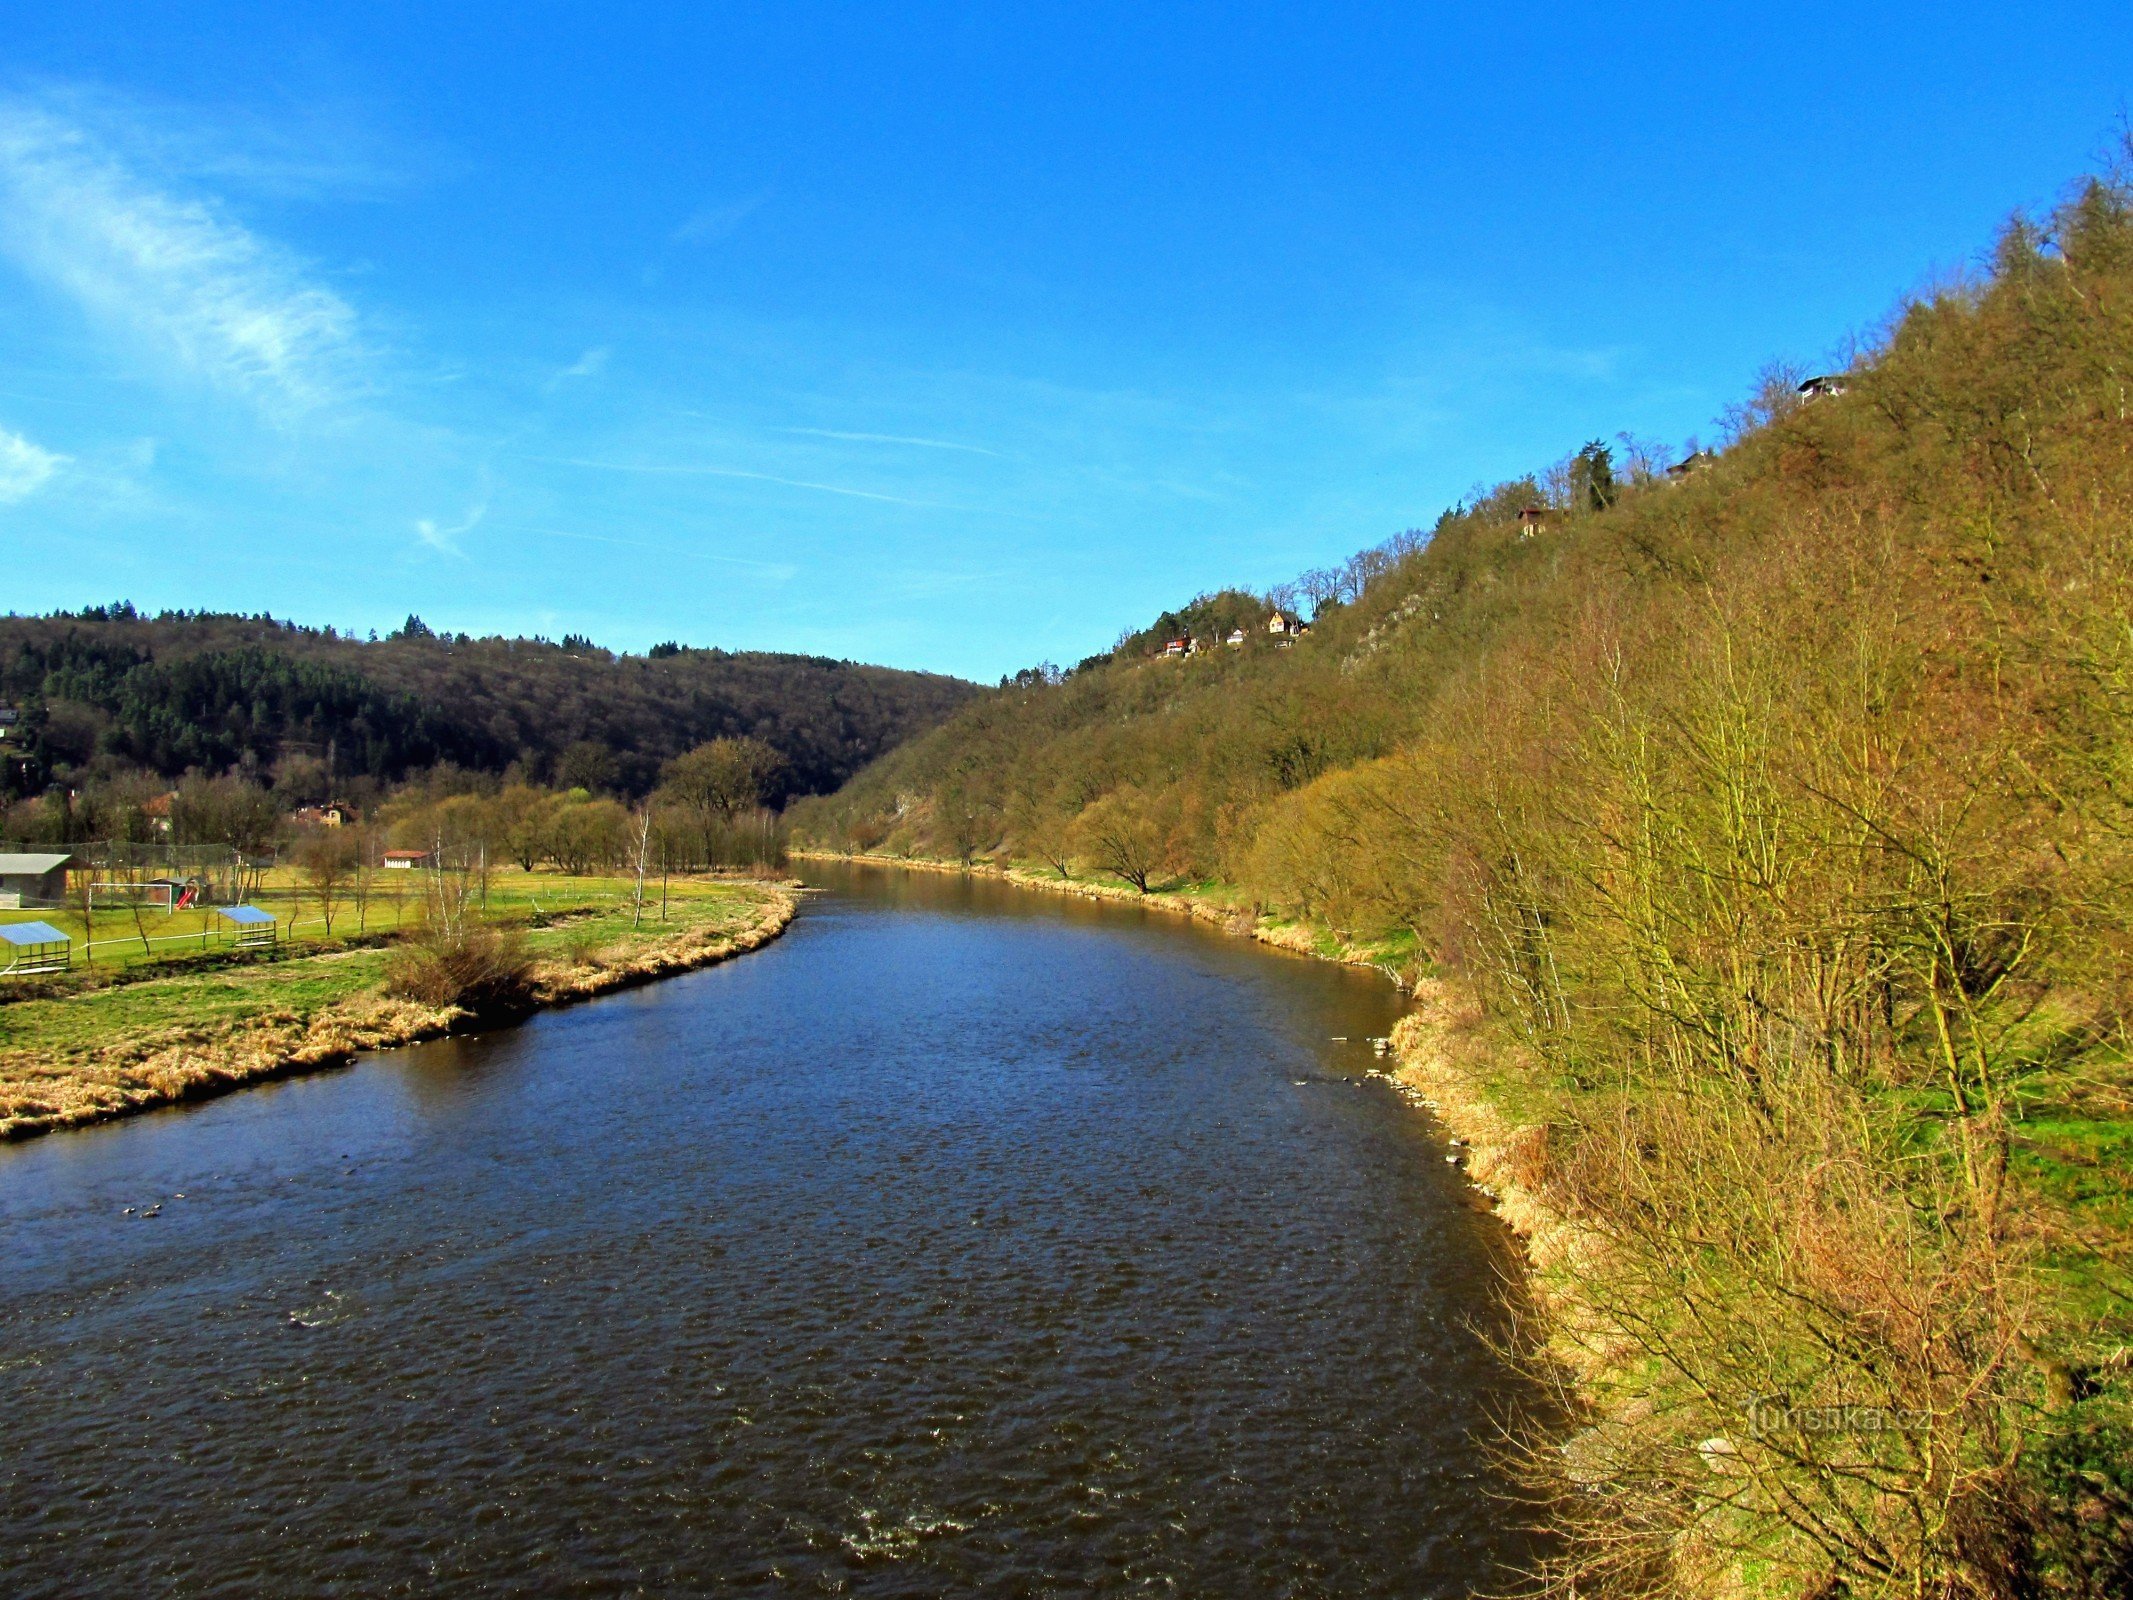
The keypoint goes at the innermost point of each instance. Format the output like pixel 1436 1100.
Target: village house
pixel 1235 639
pixel 10 721
pixel 28 880
pixel 1827 386
pixel 1530 519
pixel 332 815
pixel 1176 647
pixel 1285 624
pixel 407 860
pixel 1690 464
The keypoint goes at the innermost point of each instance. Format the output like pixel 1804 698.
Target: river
pixel 964 1241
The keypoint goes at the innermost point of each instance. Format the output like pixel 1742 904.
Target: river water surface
pixel 963 1241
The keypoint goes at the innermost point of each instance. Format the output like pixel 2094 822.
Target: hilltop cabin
pixel 1177 647
pixel 1286 624
pixel 407 860
pixel 27 948
pixel 1689 465
pixel 1236 639
pixel 1828 386
pixel 33 880
pixel 334 814
pixel 1531 519
pixel 10 721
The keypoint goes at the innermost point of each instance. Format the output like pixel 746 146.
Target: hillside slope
pixel 109 688
pixel 1779 822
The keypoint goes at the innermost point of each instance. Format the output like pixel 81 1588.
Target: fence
pixel 116 868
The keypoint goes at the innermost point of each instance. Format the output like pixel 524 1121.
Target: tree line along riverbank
pixel 1765 827
pixel 98 1046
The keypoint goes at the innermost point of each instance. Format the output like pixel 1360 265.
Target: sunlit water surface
pixel 964 1241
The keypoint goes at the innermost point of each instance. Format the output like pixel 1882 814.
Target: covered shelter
pixel 28 947
pixel 254 929
pixel 39 879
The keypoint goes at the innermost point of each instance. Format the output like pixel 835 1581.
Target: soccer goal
pixel 155 893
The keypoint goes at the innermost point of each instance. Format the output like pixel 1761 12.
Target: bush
pixel 2080 1486
pixel 483 969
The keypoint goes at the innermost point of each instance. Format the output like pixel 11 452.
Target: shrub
pixel 483 969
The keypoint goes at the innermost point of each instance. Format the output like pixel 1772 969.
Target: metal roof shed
pixel 35 877
pixel 255 928
pixel 34 947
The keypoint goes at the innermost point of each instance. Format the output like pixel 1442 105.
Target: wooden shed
pixel 34 880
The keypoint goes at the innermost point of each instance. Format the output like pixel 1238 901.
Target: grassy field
pixel 127 1034
pixel 117 940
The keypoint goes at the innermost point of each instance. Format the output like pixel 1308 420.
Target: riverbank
pixel 1666 1341
pixel 72 1060
pixel 1204 903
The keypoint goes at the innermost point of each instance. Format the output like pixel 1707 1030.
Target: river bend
pixel 963 1241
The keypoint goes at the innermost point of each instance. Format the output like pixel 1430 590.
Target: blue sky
pixel 954 337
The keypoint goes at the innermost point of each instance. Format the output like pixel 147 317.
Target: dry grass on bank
pixel 74 1059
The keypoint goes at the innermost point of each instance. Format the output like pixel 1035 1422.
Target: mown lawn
pixel 560 915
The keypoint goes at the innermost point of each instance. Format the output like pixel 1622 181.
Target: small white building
pixel 407 860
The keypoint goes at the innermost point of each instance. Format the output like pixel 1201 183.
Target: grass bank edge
pixel 197 1035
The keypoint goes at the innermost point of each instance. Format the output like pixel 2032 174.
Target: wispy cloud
pixel 716 222
pixel 893 438
pixel 444 538
pixel 776 571
pixel 174 277
pixel 24 467
pixel 654 469
pixel 589 365
pixel 309 148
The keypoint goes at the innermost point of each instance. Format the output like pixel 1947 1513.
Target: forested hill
pixel 110 689
pixel 1774 821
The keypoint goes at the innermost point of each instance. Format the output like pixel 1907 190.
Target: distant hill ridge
pixel 111 687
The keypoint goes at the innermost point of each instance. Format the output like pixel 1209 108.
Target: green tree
pixel 1592 478
pixel 587 833
pixel 1131 833
pixel 722 778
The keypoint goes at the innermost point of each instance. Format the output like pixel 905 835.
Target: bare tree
pixel 360 873
pixel 327 860
pixel 642 852
pixel 140 923
pixel 1320 586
